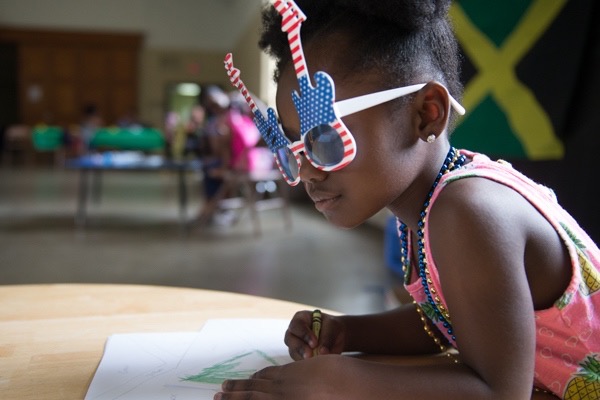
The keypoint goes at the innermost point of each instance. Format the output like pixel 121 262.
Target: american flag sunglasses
pixel 325 141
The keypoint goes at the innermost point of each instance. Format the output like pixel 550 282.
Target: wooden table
pixel 52 336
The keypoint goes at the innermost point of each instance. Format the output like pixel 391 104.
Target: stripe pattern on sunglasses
pixel 292 18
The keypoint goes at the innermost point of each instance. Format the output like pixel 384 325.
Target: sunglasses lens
pixel 324 145
pixel 288 162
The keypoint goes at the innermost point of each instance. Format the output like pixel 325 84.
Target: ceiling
pixel 177 24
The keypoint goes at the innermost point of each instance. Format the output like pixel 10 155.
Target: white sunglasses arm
pixel 356 104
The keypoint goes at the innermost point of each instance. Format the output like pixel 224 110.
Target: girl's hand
pixel 304 380
pixel 302 342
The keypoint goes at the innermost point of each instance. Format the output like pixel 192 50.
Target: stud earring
pixel 431 138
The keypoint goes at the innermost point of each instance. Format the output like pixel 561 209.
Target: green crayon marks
pixel 229 369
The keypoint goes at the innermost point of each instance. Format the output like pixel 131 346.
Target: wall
pixel 184 40
pixel 57 73
pixel 175 24
pixel 163 66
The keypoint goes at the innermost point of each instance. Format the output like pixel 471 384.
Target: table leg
pixel 96 186
pixel 80 216
pixel 182 199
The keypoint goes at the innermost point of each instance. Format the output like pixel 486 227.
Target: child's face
pixel 374 179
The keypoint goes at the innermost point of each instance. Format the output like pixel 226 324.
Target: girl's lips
pixel 325 203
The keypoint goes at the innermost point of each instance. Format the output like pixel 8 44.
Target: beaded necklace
pixel 453 160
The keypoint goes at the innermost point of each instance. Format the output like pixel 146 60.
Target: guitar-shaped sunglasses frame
pixel 325 141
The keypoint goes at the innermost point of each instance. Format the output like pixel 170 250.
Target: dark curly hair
pixel 403 40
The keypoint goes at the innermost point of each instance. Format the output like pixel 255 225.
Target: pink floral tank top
pixel 568 334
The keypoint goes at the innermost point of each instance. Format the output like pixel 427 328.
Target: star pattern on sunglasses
pixel 270 130
pixel 315 104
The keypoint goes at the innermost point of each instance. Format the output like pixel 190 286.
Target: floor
pixel 133 236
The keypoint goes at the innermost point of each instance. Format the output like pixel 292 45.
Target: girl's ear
pixel 433 108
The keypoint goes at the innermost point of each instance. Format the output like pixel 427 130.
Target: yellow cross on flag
pixel 506 117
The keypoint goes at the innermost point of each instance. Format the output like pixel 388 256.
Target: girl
pixel 504 281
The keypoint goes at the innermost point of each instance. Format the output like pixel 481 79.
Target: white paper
pixel 187 365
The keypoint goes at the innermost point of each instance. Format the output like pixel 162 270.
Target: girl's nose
pixel 308 172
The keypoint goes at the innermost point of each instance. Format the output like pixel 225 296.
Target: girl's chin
pixel 342 223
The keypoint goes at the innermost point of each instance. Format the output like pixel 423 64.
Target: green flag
pixel 521 61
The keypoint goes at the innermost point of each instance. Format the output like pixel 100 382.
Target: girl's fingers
pixel 246 385
pixel 299 336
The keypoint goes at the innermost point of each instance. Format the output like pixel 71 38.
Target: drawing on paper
pixel 187 365
pixel 231 368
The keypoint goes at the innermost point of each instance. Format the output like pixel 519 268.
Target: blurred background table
pixel 53 336
pixel 96 164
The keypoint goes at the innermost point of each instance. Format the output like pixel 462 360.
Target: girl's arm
pixel 399 331
pixel 479 243
pixel 479 233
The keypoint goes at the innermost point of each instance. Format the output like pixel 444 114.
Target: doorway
pixel 181 97
pixel 9 101
pixel 9 109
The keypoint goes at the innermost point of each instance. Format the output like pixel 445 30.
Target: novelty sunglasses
pixel 325 141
